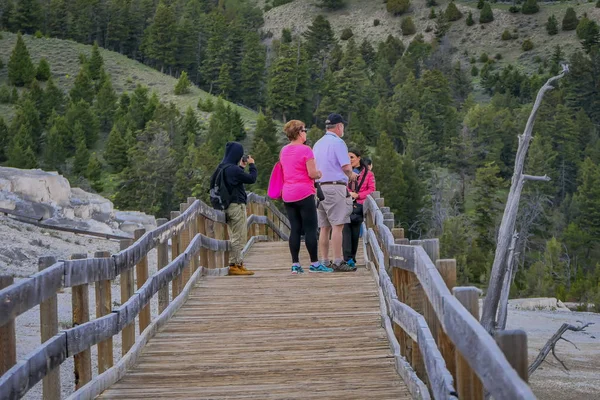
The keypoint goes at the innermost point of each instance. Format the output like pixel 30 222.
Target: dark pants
pixel 303 220
pixel 350 243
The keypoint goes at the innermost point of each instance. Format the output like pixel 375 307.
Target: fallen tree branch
pixel 545 178
pixel 551 344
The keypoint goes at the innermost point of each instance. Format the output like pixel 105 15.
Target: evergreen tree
pixel 390 177
pixel 21 70
pixel 470 21
pixel 20 152
pixel 43 71
pixel 487 204
pixel 224 82
pixel 264 163
pixel 115 153
pixel 58 19
pixel 588 199
pixel 54 153
pixel 367 52
pixel 36 94
pixel 106 105
pixel 486 15
pixel 432 14
pixel 480 4
pixel 570 21
pixel 139 108
pixel 252 71
pixel 319 36
pixel 216 54
pixel 530 7
pixel 452 12
pixel 54 100
pixel 83 88
pixel 587 31
pixel 397 7
pixel 408 26
pixel 27 117
pixel 96 63
pixel 82 154
pixel 313 135
pixel 93 172
pixel 4 139
pixel 159 39
pixel 14 96
pixel 81 113
pixel 331 5
pixel 552 25
pixel 5 97
pixel 286 36
pixel 411 197
pixel 27 17
pixel 418 145
pixel 183 84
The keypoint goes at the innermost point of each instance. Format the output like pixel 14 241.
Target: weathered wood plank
pixel 81 315
pixel 162 251
pixel 49 328
pixel 513 344
pixel 89 270
pixel 127 290
pixel 141 271
pixel 104 307
pixel 8 343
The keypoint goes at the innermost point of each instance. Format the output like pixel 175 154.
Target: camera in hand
pixel 245 159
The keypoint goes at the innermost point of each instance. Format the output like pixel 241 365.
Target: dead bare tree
pixel 551 344
pixel 507 226
pixel 508 279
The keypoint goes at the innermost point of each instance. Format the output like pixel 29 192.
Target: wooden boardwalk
pixel 270 336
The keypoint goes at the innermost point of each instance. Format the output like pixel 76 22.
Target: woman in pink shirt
pixel 359 190
pixel 299 173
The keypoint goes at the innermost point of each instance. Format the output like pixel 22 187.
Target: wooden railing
pixel 199 246
pixel 441 350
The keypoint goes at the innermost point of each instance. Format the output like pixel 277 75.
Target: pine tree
pixel 58 15
pixel 486 15
pixel 252 71
pixel 319 37
pixel 54 153
pixel 408 26
pixel 183 84
pixel 106 105
pixel 14 96
pixel 470 21
pixel 96 63
pixel 552 25
pixel 588 32
pixel 487 204
pixel 20 152
pixel 480 4
pixel 432 14
pixel 27 116
pixel 28 16
pixel 43 71
pixel 215 53
pixel 264 163
pixel 36 94
pixel 418 145
pixel 588 199
pixel 530 7
pixel 224 82
pixel 570 21
pixel 398 7
pixel 452 12
pixel 313 135
pixel 390 177
pixel 93 171
pixel 159 38
pixel 82 154
pixel 115 153
pixel 54 100
pixel 331 5
pixel 21 70
pixel 5 97
pixel 81 113
pixel 83 88
pixel 4 139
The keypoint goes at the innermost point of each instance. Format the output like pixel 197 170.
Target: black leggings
pixel 303 219
pixel 350 241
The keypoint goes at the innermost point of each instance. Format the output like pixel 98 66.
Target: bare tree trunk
pixel 507 226
pixel 508 280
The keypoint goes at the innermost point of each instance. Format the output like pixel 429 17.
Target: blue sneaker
pixel 296 269
pixel 351 263
pixel 320 268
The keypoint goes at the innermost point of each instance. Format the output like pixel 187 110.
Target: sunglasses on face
pixel 303 130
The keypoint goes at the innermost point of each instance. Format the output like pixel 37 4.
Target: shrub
pixel 530 7
pixel 398 7
pixel 598 6
pixel 480 4
pixel 588 32
pixel 486 15
pixel 498 56
pixel 432 14
pixel 552 25
pixel 527 45
pixel 474 71
pixel 346 34
pixel 431 3
pixel 473 60
pixel 376 22
pixel 183 84
pixel 408 26
pixel 5 97
pixel 42 72
pixel 452 12
pixel 514 9
pixel 38 34
pixel 277 3
pixel 206 106
pixel 483 58
pixel 470 21
pixel 286 35
pixel 506 35
pixel 570 20
pixel 1 63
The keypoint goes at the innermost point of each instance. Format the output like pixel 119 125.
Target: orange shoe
pixel 247 271
pixel 237 270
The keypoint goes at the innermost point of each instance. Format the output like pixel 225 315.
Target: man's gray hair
pixel 331 126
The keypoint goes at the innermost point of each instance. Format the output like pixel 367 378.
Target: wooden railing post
pixel 162 259
pixel 447 269
pixel 127 290
pixel 48 328
pixel 270 233
pixel 226 253
pixel 262 228
pixel 219 256
pixel 81 315
pixel 184 243
pixel 141 274
pixel 249 212
pixel 513 344
pixel 468 384
pixel 176 250
pixel 193 229
pixel 211 233
pixel 104 307
pixel 8 342
pixel 201 225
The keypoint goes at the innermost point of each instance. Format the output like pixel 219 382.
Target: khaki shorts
pixel 336 208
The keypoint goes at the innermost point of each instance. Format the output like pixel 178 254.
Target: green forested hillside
pixel 438 110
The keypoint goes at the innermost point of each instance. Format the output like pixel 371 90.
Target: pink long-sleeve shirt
pixel 367 187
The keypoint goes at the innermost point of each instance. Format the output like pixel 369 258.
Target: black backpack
pixel 220 195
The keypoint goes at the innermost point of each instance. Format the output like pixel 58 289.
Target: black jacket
pixel 235 176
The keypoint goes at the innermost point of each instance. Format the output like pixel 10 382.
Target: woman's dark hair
pixel 367 161
pixel 357 153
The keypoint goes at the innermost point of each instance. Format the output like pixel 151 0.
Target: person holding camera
pixel 230 178
pixel 359 190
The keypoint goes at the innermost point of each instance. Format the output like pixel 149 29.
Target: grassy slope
pixel 126 73
pixel 360 14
